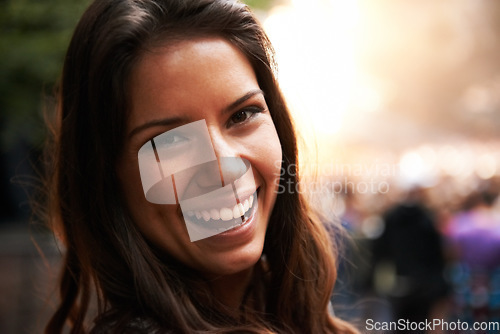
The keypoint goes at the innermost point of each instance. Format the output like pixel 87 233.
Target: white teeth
pixel 214 214
pixel 226 214
pixel 205 215
pixel 238 210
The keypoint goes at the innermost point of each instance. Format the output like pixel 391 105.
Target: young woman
pixel 163 105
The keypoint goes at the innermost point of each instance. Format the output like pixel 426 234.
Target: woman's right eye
pixel 169 140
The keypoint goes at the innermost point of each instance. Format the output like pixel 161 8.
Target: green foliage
pixel 259 4
pixel 34 35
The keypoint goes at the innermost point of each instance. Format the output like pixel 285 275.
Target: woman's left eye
pixel 243 115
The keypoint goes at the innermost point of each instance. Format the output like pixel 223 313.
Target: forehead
pixel 188 76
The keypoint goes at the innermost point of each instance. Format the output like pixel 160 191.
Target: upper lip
pixel 217 199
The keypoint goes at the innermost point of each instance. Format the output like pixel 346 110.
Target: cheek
pixel 130 181
pixel 133 193
pixel 160 224
pixel 275 161
pixel 270 156
pixel 156 222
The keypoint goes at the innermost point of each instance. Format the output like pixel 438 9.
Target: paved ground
pixel 27 278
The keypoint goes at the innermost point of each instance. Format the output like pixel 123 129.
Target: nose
pixel 232 168
pixel 229 165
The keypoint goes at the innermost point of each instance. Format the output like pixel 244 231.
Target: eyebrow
pixel 180 120
pixel 154 123
pixel 242 99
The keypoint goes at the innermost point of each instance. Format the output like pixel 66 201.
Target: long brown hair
pixel 105 252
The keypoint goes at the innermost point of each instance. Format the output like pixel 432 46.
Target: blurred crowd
pixel 420 253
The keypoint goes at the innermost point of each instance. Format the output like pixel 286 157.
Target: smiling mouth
pixel 225 218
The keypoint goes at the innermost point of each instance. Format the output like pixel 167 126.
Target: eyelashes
pixel 171 139
pixel 244 115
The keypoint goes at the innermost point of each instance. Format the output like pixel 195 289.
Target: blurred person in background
pixel 474 235
pixel 408 260
pixel 352 286
pixel 345 292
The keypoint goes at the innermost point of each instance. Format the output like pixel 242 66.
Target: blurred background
pixel 398 106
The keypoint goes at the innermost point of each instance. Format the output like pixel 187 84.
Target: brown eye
pixel 244 115
pixel 241 116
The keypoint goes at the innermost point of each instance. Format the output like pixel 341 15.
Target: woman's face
pixel 203 79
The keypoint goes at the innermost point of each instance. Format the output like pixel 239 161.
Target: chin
pixel 235 263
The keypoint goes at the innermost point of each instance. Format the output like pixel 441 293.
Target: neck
pixel 230 289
